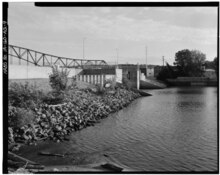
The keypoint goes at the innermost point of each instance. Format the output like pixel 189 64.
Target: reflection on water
pixel 173 130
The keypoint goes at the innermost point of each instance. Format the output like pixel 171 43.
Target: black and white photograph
pixel 110 87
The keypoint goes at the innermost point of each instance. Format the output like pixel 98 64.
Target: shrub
pixel 167 72
pixel 18 117
pixel 126 83
pixel 73 84
pixel 58 79
pixel 100 90
pixel 24 96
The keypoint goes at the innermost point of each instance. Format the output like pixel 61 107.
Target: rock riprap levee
pixel 81 108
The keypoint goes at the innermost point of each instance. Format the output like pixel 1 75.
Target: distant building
pixel 150 71
pixel 210 73
pixel 129 72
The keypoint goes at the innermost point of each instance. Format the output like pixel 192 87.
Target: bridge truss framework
pixel 42 59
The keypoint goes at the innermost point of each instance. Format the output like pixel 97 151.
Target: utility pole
pixel 84 48
pixel 146 61
pixel 163 60
pixel 117 55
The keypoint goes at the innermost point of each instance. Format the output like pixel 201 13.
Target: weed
pixel 18 117
pixel 24 96
pixel 58 79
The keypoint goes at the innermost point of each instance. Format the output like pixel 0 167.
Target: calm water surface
pixel 173 130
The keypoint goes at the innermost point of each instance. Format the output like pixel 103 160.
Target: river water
pixel 175 129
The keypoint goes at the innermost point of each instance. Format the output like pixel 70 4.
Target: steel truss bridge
pixel 42 59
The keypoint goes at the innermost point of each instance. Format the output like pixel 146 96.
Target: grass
pixel 40 84
pixel 43 83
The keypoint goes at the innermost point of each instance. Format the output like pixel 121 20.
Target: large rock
pixel 107 85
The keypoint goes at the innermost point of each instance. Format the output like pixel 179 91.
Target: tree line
pixel 188 63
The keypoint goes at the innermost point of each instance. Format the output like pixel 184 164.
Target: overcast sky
pixel 164 30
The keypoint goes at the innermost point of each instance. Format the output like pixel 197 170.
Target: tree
pixel 216 65
pixel 209 64
pixel 166 72
pixel 190 63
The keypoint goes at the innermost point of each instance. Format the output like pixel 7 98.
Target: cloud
pixel 125 28
pixel 105 10
pixel 120 27
pixel 159 25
